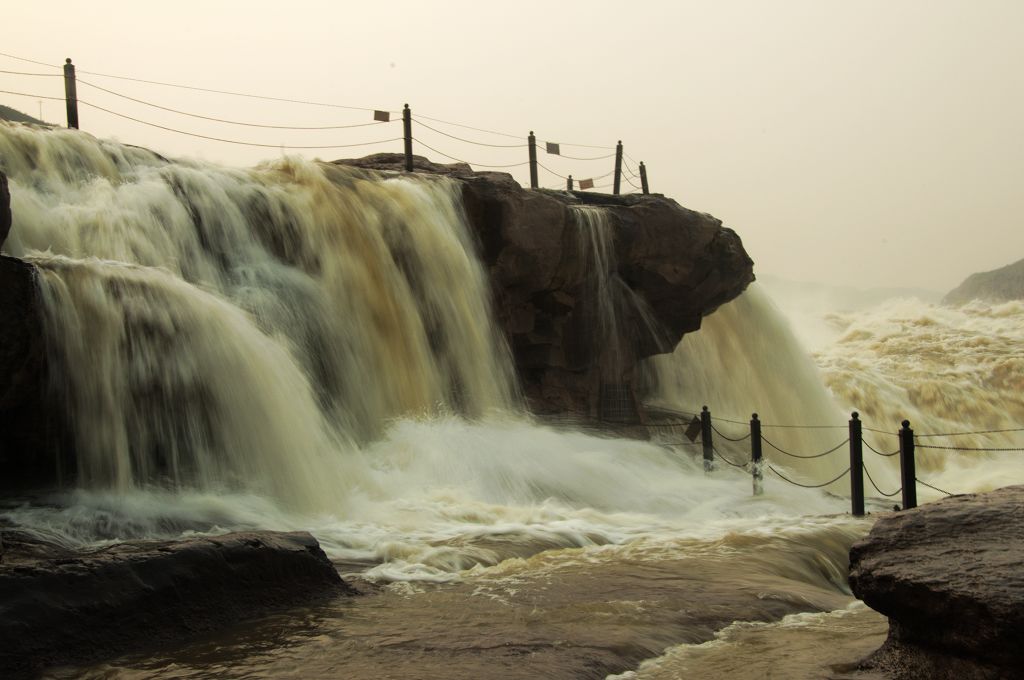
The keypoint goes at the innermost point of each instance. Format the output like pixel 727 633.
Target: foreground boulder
pixel 59 606
pixel 949 577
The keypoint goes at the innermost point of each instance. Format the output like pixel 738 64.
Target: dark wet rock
pixel 30 431
pixel 5 209
pixel 998 285
pixel 681 265
pixel 60 606
pixel 949 577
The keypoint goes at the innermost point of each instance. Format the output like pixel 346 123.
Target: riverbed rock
pixel 59 605
pixel 949 577
pixel 998 285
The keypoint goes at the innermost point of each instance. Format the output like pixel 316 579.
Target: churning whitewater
pixel 304 345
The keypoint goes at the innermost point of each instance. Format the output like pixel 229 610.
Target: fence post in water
pixel 568 183
pixel 407 127
pixel 908 473
pixel 705 438
pixel 532 143
pixel 757 466
pixel 618 167
pixel 71 94
pixel 643 178
pixel 856 466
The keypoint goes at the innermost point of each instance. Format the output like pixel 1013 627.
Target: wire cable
pixel 235 141
pixel 933 487
pixel 795 455
pixel 809 486
pixel 593 158
pixel 23 73
pixel 967 448
pixel 30 61
pixel 737 465
pixel 887 455
pixel 233 122
pixel 539 164
pixel 459 160
pixel 470 141
pixel 746 436
pixel 887 495
pixel 229 93
pixel 959 434
pixel 34 96
pixel 470 127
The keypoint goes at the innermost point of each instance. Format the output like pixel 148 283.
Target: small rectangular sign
pixel 382 116
pixel 693 429
pixel 553 149
pixel 586 184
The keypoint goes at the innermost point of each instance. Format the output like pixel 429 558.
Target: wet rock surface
pixel 59 605
pixel 949 577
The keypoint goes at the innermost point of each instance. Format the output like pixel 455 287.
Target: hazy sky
pixel 870 143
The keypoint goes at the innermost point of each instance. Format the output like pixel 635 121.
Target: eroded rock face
pixel 60 606
pixel 681 264
pixel 949 576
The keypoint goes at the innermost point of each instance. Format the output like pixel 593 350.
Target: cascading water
pixel 307 346
pixel 220 327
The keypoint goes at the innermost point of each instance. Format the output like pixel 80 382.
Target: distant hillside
pixel 999 285
pixel 7 113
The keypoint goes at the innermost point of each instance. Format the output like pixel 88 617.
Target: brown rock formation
pixel 948 575
pixel 61 606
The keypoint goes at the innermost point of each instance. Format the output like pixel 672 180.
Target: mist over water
pixel 306 346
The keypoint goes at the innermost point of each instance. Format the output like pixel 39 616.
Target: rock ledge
pixel 948 575
pixel 59 606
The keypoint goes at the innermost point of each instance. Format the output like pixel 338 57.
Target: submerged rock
pixel 948 575
pixel 59 606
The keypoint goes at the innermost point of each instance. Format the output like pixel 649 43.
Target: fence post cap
pixel 406 106
pixel 68 60
pixel 855 416
pixel 906 424
pixel 753 416
pixel 705 408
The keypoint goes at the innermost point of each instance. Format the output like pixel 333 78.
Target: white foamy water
pixel 305 346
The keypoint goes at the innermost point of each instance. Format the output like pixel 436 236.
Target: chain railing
pixel 432 132
pixel 701 427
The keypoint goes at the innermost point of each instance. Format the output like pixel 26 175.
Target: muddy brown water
pixel 655 607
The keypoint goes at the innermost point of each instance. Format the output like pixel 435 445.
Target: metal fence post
pixel 757 466
pixel 856 466
pixel 532 143
pixel 568 183
pixel 71 94
pixel 407 127
pixel 908 474
pixel 618 167
pixel 705 438
pixel 643 178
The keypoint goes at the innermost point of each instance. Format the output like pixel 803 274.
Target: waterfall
pixel 243 328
